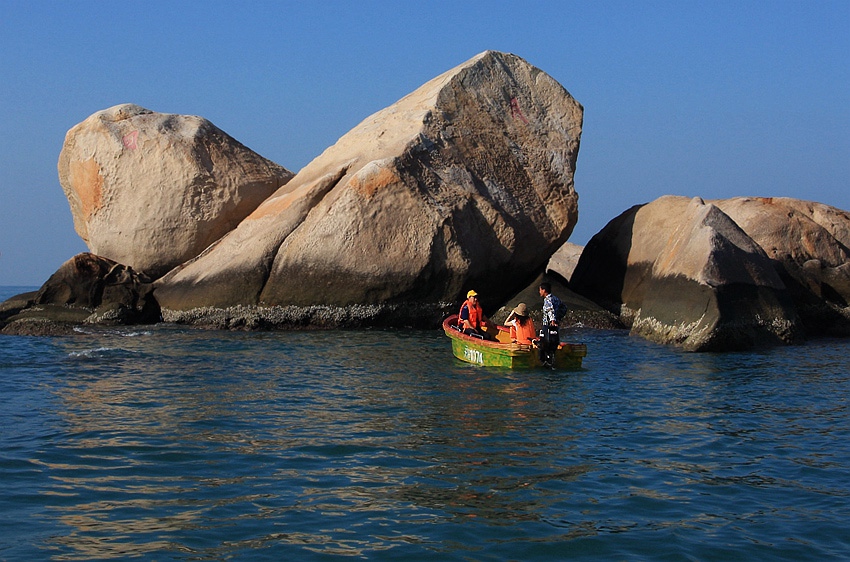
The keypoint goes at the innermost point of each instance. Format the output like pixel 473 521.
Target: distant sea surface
pixel 168 443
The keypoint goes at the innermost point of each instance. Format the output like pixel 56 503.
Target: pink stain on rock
pixel 130 139
pixel 516 112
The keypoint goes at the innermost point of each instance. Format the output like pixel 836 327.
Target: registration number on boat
pixel 473 355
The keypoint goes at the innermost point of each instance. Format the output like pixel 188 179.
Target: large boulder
pixel 680 271
pixel 811 243
pixel 86 289
pixel 153 190
pixel 467 181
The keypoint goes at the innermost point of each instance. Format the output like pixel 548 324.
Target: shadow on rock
pixel 87 289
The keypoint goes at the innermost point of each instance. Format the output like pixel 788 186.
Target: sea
pixel 171 443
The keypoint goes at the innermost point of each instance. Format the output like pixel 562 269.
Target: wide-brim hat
pixel 520 310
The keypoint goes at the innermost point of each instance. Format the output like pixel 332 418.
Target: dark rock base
pixel 312 317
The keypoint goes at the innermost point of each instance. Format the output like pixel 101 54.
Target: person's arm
pixel 464 317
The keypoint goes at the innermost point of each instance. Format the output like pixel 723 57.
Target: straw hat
pixel 520 310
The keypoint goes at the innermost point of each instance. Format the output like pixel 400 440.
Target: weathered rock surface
pixel 464 182
pixel 153 190
pixel 811 242
pixel 86 289
pixel 680 271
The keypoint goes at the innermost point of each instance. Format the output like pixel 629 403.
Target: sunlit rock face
pixel 153 190
pixel 681 271
pixel 564 260
pixel 466 182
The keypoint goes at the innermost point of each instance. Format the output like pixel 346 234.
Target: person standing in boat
pixel 471 318
pixel 553 311
pixel 521 325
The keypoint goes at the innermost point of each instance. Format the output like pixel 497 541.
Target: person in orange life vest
pixel 471 318
pixel 521 325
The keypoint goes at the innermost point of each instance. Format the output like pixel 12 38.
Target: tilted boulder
pixel 681 271
pixel 86 289
pixel 811 242
pixel 153 190
pixel 564 260
pixel 467 181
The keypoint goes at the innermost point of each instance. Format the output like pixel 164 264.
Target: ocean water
pixel 166 443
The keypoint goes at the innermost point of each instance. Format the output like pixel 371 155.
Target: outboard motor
pixel 549 341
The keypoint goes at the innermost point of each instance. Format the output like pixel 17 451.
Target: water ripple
pixel 177 444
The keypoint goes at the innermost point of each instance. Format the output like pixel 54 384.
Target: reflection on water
pixel 170 443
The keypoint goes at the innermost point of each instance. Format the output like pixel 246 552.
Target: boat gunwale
pixel 577 350
pixel 490 344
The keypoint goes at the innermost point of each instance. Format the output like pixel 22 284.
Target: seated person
pixel 521 325
pixel 471 318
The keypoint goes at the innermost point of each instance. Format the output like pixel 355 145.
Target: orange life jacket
pixel 523 333
pixel 475 314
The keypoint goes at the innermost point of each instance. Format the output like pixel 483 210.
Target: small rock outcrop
pixel 581 311
pixel 680 271
pixel 86 289
pixel 153 190
pixel 464 182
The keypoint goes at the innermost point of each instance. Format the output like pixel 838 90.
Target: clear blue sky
pixel 713 98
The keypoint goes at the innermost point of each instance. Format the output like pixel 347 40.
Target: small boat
pixel 503 353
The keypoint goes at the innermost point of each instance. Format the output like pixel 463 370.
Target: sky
pixel 698 98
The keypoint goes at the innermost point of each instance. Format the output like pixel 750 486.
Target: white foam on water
pixel 134 334
pixel 81 330
pixel 98 352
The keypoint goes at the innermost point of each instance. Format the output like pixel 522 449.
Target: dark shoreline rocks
pixel 291 317
pixel 86 289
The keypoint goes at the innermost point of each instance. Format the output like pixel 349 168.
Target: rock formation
pixel 466 181
pixel 86 289
pixel 681 271
pixel 581 311
pixel 811 243
pixel 153 190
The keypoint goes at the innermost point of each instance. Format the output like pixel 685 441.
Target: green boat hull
pixel 509 355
